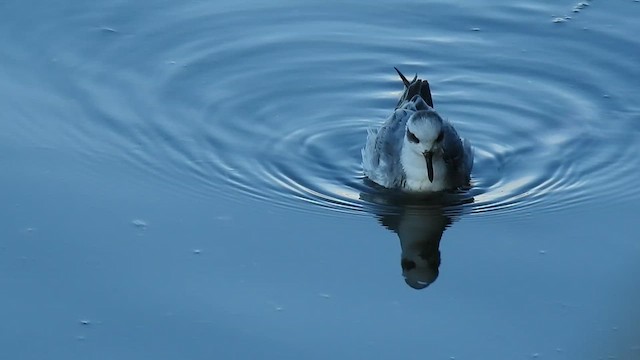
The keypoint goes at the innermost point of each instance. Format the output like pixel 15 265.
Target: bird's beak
pixel 428 157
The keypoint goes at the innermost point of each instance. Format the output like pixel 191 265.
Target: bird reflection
pixel 419 224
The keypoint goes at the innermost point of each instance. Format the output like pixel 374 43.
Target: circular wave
pixel 278 111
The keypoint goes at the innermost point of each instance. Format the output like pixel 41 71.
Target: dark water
pixel 183 180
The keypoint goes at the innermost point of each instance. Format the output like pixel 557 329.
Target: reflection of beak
pixel 428 157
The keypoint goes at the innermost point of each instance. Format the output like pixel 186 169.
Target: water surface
pixel 183 180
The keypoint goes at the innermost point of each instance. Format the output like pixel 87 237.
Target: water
pixel 183 181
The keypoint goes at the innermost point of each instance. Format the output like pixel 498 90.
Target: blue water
pixel 182 181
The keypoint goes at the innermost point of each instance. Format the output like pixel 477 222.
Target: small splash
pixel 30 231
pixel 140 224
pixel 108 30
pixel 577 8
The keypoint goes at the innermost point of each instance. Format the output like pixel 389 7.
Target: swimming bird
pixel 415 149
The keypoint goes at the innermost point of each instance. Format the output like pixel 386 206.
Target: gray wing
pixel 381 154
pixel 457 154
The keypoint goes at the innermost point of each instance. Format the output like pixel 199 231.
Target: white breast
pixel 415 169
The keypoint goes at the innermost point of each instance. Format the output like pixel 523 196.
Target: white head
pixel 424 135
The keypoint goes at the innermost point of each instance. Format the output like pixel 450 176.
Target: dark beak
pixel 428 157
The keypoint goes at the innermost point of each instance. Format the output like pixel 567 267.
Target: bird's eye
pixel 412 138
pixel 440 136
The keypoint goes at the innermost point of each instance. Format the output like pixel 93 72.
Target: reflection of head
pixel 418 271
pixel 420 231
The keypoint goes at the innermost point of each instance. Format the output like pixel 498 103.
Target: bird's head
pixel 424 135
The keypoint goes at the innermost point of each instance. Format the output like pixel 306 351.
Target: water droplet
pixel 139 223
pixel 85 322
pixel 279 308
pixel 326 296
pixel 197 251
pixel 535 355
pixel 30 231
pixel 109 30
pixel 559 20
pixel 542 252
pixel 475 29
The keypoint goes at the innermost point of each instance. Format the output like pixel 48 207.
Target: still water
pixel 182 180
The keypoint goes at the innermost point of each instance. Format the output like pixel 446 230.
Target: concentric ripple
pixel 278 111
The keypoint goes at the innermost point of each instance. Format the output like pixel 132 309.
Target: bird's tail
pixel 415 87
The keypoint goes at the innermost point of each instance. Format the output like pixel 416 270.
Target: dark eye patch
pixel 411 137
pixel 440 136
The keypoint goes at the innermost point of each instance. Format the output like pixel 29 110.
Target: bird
pixel 416 150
